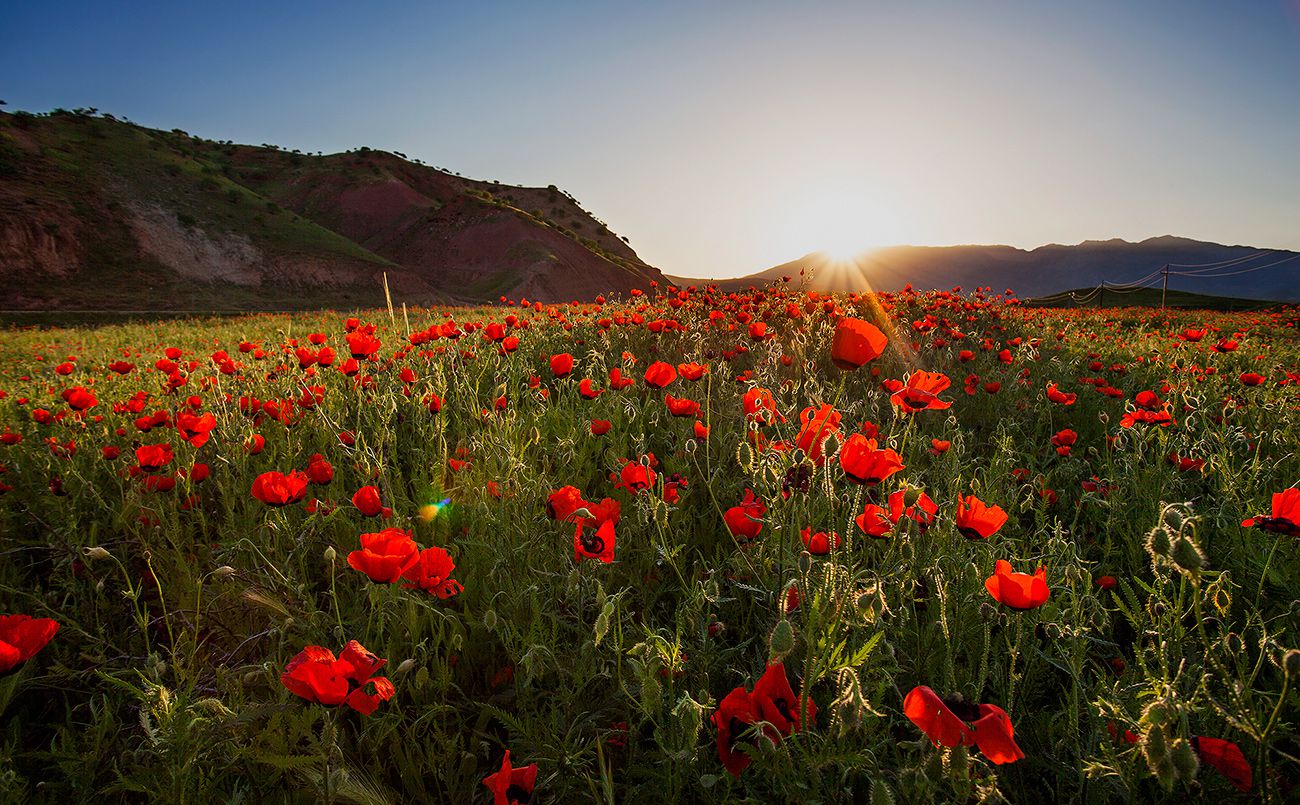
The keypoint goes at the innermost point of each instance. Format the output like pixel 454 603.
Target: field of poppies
pixel 682 547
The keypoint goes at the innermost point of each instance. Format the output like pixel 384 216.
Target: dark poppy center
pixel 517 793
pixel 783 707
pixel 963 709
pixel 592 543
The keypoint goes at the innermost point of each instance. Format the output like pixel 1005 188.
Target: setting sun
pixel 842 222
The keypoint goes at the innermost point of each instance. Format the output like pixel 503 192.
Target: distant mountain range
pixel 1197 266
pixel 98 213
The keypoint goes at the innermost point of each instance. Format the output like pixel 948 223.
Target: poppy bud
pixel 223 572
pixel 1291 662
pixel 96 553
pixel 1157 713
pixel 1158 760
pixel 331 554
pixel 1184 758
pixel 1173 518
pixel 1188 556
pixel 1158 543
pixel 404 666
pixel 781 641
pixel 805 562
pixel 490 620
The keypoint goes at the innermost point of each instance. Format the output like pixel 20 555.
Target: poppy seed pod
pixel 781 641
pixel 96 553
pixel 1291 662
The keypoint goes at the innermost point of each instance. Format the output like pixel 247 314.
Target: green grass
pixel 163 682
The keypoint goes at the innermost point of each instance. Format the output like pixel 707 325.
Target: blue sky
pixel 722 137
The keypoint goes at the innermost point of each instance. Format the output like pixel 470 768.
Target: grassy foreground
pixel 188 502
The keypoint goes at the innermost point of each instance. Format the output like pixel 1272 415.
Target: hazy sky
pixel 723 138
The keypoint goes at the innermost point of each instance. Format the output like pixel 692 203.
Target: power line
pixel 1201 275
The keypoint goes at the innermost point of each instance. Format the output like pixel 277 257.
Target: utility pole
pixel 1101 300
pixel 1165 289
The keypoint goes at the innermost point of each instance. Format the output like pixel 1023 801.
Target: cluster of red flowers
pixel 771 707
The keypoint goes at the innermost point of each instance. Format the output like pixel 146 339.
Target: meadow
pixel 687 546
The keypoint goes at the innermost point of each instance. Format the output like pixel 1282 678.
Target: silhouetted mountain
pixel 1196 266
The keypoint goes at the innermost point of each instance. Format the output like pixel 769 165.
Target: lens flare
pixel 430 510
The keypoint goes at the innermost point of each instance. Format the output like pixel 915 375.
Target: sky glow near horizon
pixel 725 138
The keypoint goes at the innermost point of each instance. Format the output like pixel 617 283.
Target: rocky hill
pixel 98 213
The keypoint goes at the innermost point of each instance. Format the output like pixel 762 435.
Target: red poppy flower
pixel 21 637
pixel 319 471
pixel 701 432
pixel 1059 397
pixel 1063 440
pixel 563 502
pixel 939 446
pixel 1285 518
pixel 975 520
pixel 153 456
pixel 760 406
pixel 617 382
pixel 432 573
pixel 820 543
pixel 562 364
pixel 1251 379
pixel 385 556
pixel 79 398
pixel 1017 590
pixel 1226 758
pixel 680 406
pixel 777 703
pixel 913 505
pixel 921 392
pixel 635 477
pixel 1105 582
pixel 587 390
pixel 735 712
pixel 856 343
pixel 196 429
pixel 874 521
pixel 278 489
pixel 743 521
pixel 594 541
pixel 317 676
pixel 362 344
pixel 863 463
pixel 692 371
pixel 659 374
pixel 511 786
pixel 367 501
pixel 255 444
pixel 817 425
pixel 986 726
pixel 599 427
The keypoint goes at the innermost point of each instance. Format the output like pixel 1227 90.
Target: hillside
pixel 101 214
pixel 1233 271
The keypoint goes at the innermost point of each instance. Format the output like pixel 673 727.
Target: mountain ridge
pixel 99 213
pixel 1200 267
